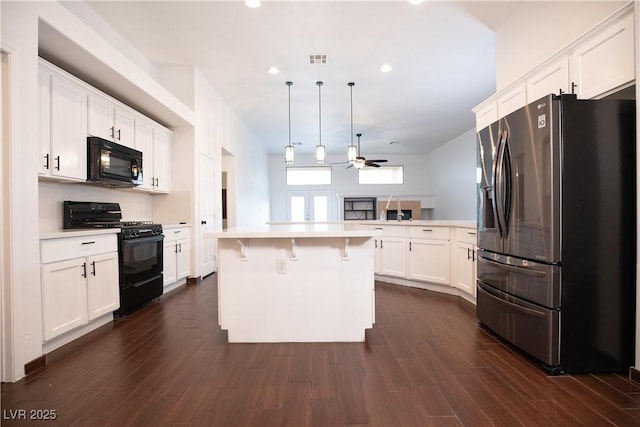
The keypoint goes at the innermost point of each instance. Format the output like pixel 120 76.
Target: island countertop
pixel 293 230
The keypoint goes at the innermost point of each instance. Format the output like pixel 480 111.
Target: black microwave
pixel 112 164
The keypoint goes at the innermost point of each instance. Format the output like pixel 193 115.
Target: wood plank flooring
pixel 425 363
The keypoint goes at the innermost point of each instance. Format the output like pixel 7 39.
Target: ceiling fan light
pixel 320 154
pixel 352 153
pixel 252 3
pixel 359 164
pixel 288 154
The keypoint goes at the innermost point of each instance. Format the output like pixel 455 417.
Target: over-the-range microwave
pixel 112 164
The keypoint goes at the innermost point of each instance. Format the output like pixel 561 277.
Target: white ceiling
pixel 442 54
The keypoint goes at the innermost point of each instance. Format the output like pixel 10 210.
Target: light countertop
pixel 299 230
pixel 423 223
pixel 77 233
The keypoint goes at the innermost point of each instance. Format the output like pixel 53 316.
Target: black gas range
pixel 140 250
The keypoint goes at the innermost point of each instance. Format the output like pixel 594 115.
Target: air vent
pixel 318 58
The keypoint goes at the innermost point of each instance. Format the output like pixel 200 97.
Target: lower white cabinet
pixel 466 250
pixel 176 256
pixel 79 281
pixel 429 254
pixel 393 256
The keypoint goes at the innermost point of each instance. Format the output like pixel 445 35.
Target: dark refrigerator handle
pixel 499 184
pixel 495 185
pixel 507 180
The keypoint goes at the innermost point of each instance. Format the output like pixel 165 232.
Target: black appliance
pixel 557 230
pixel 112 164
pixel 140 250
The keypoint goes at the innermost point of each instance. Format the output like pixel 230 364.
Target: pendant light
pixel 320 149
pixel 352 151
pixel 288 150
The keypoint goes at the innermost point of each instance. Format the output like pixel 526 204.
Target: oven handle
pixel 141 240
pixel 518 307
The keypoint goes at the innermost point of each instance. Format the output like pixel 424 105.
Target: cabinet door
pixel 64 297
pixel 393 256
pixel 182 259
pixel 103 294
pixel 161 165
pixel 605 61
pixel 551 79
pixel 68 130
pixel 486 115
pixel 44 89
pixel 429 260
pixel 377 256
pixel 510 101
pixel 100 117
pixel 143 137
pixel 466 267
pixel 124 127
pixel 169 262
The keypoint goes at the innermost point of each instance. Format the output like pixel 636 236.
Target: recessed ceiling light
pixel 252 3
pixel 273 70
pixel 416 1
pixel 385 68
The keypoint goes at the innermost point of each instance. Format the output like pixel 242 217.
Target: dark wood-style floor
pixel 425 363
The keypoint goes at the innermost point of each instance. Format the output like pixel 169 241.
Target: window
pixel 381 175
pixel 312 175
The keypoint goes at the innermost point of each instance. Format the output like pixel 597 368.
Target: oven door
pixel 140 259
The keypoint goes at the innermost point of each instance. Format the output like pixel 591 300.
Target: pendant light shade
pixel 288 150
pixel 320 149
pixel 352 151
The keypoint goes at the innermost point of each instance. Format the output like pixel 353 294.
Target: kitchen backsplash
pixel 135 205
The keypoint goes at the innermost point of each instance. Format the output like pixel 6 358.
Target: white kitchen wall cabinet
pixel 465 269
pixel 161 179
pixel 486 114
pixel 176 256
pixel 605 60
pixel 550 79
pixel 429 257
pixel 143 137
pixel 512 99
pixel 63 121
pixel 109 121
pixel 79 281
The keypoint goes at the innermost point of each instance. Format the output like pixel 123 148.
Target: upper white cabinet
pixel 511 100
pixel 110 121
pixel 155 143
pixel 550 79
pixel 70 110
pixel 594 65
pixel 605 60
pixel 63 127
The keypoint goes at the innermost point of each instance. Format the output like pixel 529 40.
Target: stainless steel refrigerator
pixel 557 232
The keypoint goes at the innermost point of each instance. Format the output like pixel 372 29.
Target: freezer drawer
pixel 534 282
pixel 531 328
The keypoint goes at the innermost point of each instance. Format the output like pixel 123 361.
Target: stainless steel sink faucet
pixel 400 214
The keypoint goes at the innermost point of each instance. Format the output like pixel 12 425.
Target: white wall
pixel 451 169
pixel 538 29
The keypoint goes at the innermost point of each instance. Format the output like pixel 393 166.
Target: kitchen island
pixel 296 283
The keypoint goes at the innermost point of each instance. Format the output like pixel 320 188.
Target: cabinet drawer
pixel 74 247
pixel 425 232
pixel 392 230
pixel 172 234
pixel 467 235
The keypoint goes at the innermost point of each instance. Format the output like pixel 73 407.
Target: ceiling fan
pixel 361 162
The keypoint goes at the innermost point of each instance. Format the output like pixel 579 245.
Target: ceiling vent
pixel 318 58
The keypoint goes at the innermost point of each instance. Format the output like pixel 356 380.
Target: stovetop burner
pixel 106 215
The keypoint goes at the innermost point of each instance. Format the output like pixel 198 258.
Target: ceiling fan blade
pixel 350 166
pixel 379 161
pixel 368 163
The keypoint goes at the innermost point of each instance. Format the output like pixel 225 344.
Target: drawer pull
pixel 378 228
pixel 473 233
pixel 427 229
pixel 87 243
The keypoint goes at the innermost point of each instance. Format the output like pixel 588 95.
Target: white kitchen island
pixel 296 283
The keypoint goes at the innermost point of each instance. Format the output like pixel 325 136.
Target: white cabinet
pixel 486 114
pixel 429 254
pixel 465 253
pixel 176 256
pixel 108 120
pixel 63 127
pixel 550 79
pixel 605 60
pixel 511 100
pixel 154 142
pixel 392 251
pixel 79 281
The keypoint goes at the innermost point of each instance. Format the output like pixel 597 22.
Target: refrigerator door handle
pixel 499 185
pixel 515 269
pixel 507 180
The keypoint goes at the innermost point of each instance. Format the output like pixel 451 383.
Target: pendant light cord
pixel 289 84
pixel 319 113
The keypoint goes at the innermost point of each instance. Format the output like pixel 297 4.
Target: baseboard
pixel 634 374
pixel 35 364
